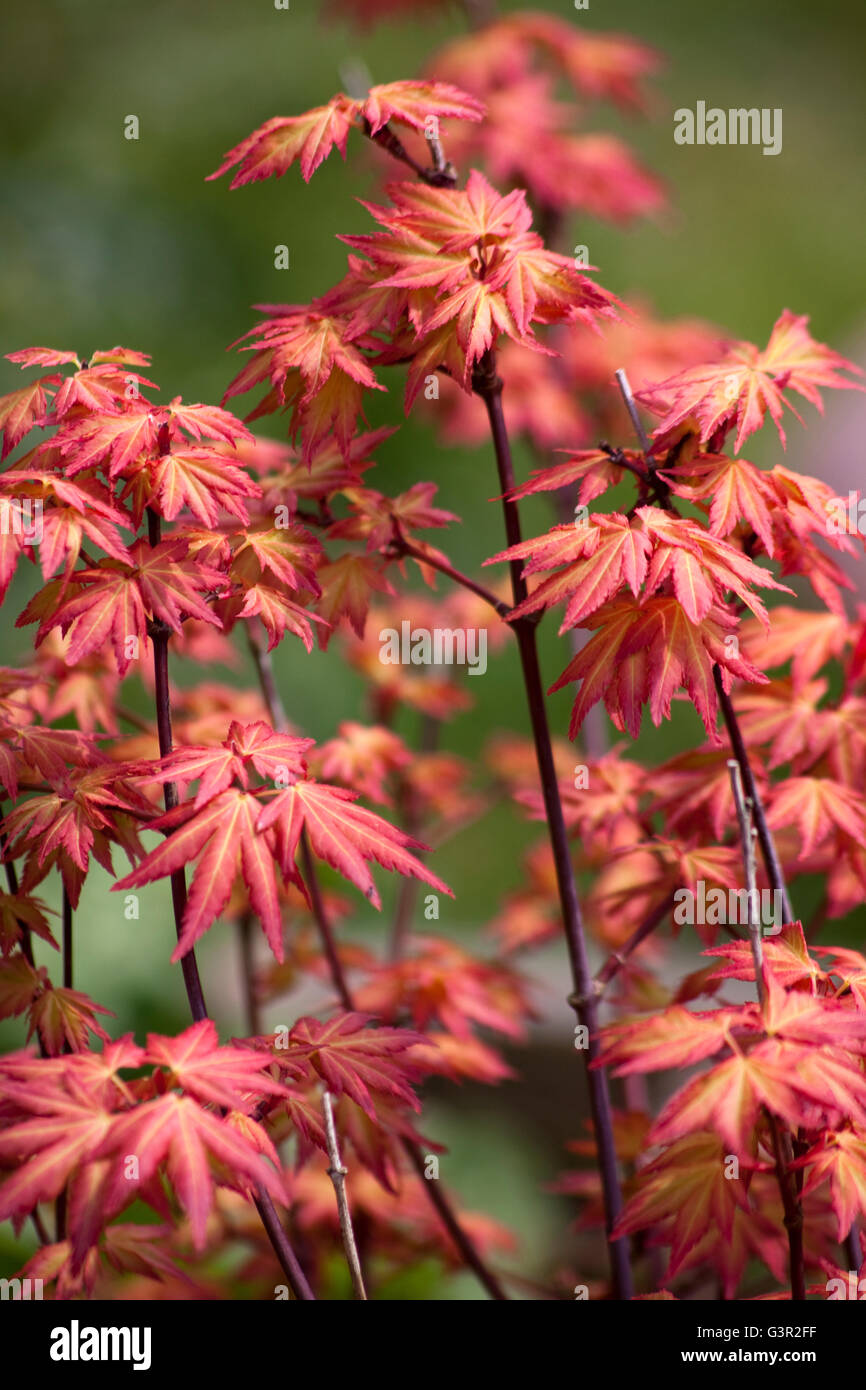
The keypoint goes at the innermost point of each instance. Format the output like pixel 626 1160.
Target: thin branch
pixel 583 997
pixel 12 881
pixel 323 922
pixel 160 636
pixel 617 959
pixel 401 545
pixel 251 1002
pixel 443 177
pixel 407 894
pixel 136 720
pixel 747 840
pixel 765 838
pixel 40 1227
pixel 462 1240
pixel 337 1174
pixel 784 1157
pixel 67 940
pixel 282 1246
pixel 637 424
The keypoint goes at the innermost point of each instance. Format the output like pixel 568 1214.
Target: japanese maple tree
pixel 170 529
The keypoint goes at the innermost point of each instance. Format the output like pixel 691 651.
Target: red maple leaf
pixel 737 391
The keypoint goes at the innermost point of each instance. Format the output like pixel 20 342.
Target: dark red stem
pixel 583 998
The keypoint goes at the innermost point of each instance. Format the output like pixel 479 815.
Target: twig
pixel 401 545
pixel 765 838
pixel 442 177
pixel 747 840
pixel 407 894
pixel 251 1003
pixel 337 1174
pixel 67 940
pixel 282 1247
pixel 12 881
pixel 637 423
pixel 159 637
pixel 617 959
pixel 583 997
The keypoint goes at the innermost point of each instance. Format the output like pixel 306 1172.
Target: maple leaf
pixel 840 1159
pixel 808 640
pixel 315 367
pixel 64 1018
pixel 42 357
pixel 594 469
pixel 778 1074
pixel 787 955
pixel 702 568
pixel 599 559
pixel 411 103
pixel 376 517
pixel 112 441
pixel 224 836
pixel 72 513
pixel 227 1076
pixel 739 490
pixel 642 653
pixel 22 409
pixel 674 1037
pixel 444 982
pixel 355 1060
pixel 819 807
pixel 738 390
pixel 686 1191
pixel 202 480
pixel 67 1127
pixel 289 554
pixel 19 910
pixel 87 809
pixel 20 982
pixel 346 836
pixel 275 146
pixel 113 600
pixel 466 268
pixel 347 588
pixel 248 746
pixel 175 1131
pixel 362 757
pixel 279 614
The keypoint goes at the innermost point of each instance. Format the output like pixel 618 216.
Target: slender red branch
pixel 67 941
pixel 282 1247
pixel 617 959
pixel 583 997
pixel 401 545
pixel 160 633
pixel 765 837
pixel 251 1003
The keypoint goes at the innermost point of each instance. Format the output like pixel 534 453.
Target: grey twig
pixel 337 1174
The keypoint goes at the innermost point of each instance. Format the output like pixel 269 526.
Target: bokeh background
pixel 106 240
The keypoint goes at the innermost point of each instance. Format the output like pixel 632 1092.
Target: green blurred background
pixel 107 240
